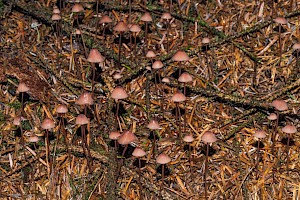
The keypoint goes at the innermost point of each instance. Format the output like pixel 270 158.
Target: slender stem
pixel 146 37
pixel 120 50
pixel 154 143
pixel 178 123
pixel 163 172
pixel 140 185
pixel 257 158
pixel 206 170
pixel 125 148
pixel 280 50
pixel 93 80
pixel 287 154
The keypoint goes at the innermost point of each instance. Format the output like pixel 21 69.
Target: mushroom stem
pixel 125 148
pixel 206 170
pixel 280 50
pixel 146 36
pixel 85 148
pixel 120 50
pixel 163 172
pixel 140 185
pixel 178 116
pixel 257 158
pixel 154 143
pixel 287 154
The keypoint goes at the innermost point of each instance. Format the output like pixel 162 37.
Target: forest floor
pixel 249 62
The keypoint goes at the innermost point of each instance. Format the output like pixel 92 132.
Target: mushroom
pixel 208 137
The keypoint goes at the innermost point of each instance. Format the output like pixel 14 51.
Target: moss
pixel 16 105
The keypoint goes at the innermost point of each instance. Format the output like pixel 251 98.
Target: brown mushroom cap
pixel 95 56
pixel 178 97
pixel 126 138
pixel 48 124
pixel 150 54
pixel 166 16
pixel 296 46
pixel 272 116
pixel 105 20
pixel 85 99
pixel 78 32
pixel 81 119
pixel 33 138
pixel 180 56
pixel 120 27
pixel 185 78
pixel 260 134
pixel 188 138
pixel 165 80
pixel 280 105
pixel 208 137
pixel 55 17
pixel 17 121
pixel 55 10
pixel 114 135
pixel 146 17
pixel 138 152
pixel 135 28
pixel 22 87
pixel 289 129
pixel 157 65
pixel 77 8
pixel 163 159
pixel 62 109
pixel 280 20
pixel 205 40
pixel 119 93
pixel 153 125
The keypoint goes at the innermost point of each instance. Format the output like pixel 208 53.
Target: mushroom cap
pixel 48 124
pixel 166 16
pixel 165 80
pixel 126 138
pixel 55 10
pixel 150 54
pixel 289 129
pixel 22 87
pixel 78 32
pixel 185 78
pixel 296 46
pixel 280 20
pixel 135 28
pixel 117 76
pixel 208 137
pixel 77 8
pixel 105 20
pixel 157 65
pixel 95 56
pixel 138 152
pixel 33 138
pixel 280 105
pixel 114 135
pixel 146 17
pixel 56 17
pixel 85 99
pixel 119 93
pixel 17 121
pixel 120 27
pixel 153 125
pixel 163 159
pixel 188 138
pixel 180 56
pixel 260 134
pixel 81 119
pixel 62 109
pixel 272 116
pixel 205 40
pixel 178 97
